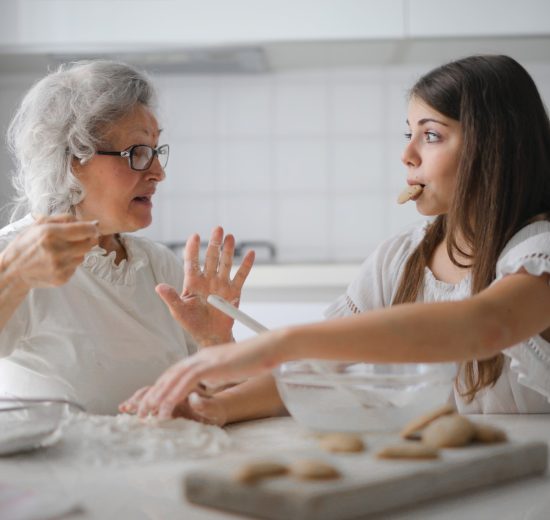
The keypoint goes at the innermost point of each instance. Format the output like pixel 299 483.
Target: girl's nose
pixel 410 156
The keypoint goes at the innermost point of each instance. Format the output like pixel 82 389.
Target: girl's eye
pixel 431 137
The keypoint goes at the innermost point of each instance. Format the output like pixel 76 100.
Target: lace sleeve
pixel 530 360
pixel 531 255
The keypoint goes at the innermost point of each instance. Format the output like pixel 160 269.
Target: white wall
pixel 11 91
pixel 303 159
pixel 308 160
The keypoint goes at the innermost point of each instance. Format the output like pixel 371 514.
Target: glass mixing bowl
pixel 355 397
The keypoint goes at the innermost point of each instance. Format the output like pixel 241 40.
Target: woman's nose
pixel 156 171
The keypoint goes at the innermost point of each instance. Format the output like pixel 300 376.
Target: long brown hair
pixel 503 178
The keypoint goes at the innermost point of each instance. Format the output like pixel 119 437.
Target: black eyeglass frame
pixel 129 154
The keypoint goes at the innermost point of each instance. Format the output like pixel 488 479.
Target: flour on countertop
pixel 101 440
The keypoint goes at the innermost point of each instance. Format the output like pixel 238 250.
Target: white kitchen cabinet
pixel 129 25
pixel 72 26
pixel 465 18
pixel 58 25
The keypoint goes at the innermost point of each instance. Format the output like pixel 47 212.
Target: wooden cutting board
pixel 368 485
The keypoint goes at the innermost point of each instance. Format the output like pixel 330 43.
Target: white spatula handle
pixel 232 311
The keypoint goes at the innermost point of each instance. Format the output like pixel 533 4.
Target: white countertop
pixel 154 490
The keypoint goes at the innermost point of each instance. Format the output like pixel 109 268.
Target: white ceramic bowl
pixel 27 424
pixel 355 397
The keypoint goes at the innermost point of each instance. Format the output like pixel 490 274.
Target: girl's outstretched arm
pixel 511 310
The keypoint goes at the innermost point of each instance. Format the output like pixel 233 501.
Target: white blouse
pixel 101 336
pixel 524 385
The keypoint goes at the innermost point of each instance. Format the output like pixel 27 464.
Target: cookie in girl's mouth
pixel 410 193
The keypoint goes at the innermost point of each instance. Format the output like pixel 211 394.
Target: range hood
pixel 191 60
pixel 268 58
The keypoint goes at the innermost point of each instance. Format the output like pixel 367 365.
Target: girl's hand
pixel 198 406
pixel 202 408
pixel 221 363
pixel 49 251
pixel 207 325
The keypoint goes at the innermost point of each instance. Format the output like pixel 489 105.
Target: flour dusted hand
pixel 48 252
pixel 219 363
pixel 197 406
pixel 207 325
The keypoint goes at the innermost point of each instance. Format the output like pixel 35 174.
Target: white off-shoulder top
pixel 524 385
pixel 101 336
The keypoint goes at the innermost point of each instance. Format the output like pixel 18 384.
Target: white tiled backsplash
pixel 308 160
pixel 302 159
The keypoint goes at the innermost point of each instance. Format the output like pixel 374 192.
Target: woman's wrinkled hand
pixel 131 404
pixel 206 324
pixel 48 252
pixel 220 364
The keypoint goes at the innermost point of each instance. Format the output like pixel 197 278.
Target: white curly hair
pixel 63 116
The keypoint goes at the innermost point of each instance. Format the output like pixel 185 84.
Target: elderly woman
pixel 79 316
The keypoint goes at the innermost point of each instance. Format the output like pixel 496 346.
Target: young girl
pixel 471 285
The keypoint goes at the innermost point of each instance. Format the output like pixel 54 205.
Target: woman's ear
pixel 76 166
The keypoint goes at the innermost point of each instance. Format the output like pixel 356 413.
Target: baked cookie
pixel 409 193
pixel 489 434
pixel 449 431
pixel 408 450
pixel 254 471
pixel 312 469
pixel 341 442
pixel 412 429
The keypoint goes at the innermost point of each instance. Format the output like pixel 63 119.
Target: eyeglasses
pixel 141 156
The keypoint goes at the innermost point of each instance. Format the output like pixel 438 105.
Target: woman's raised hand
pixel 49 251
pixel 208 325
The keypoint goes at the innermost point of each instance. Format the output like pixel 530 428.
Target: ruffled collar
pixel 431 282
pixel 102 264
